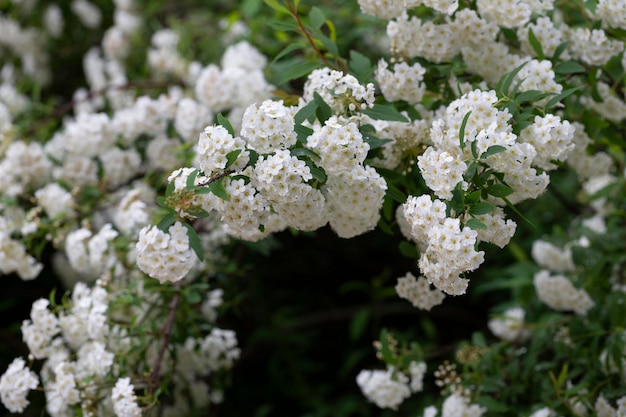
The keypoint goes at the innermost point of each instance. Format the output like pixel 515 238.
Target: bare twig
pixel 153 382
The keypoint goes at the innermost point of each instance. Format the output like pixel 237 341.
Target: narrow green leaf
pixel 482 207
pixel 569 67
pixel 316 18
pixel 492 150
pixel 385 350
pixel 409 250
pixel 462 130
pixel 305 113
pixel 284 26
pixel 361 66
pixel 358 324
pixel 471 171
pixel 507 79
pixel 287 50
pixel 274 4
pixel 536 45
pixel 530 96
pixel 303 132
pixel 254 156
pixel 329 44
pixel 385 112
pixel 395 193
pixel 499 190
pixel 191 179
pixel 558 98
pixel 217 188
pixel 475 224
pixel 323 110
pixel 232 156
pixel 166 222
pixel 223 121
pixel 194 241
pixel 297 69
pixel 169 190
pixel 492 405
pixel 318 173
pixel 559 50
pixel 304 152
pixel 373 141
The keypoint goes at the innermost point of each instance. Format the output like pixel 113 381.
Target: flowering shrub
pixel 468 159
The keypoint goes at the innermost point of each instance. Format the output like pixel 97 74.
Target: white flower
pixel 15 384
pixel 124 399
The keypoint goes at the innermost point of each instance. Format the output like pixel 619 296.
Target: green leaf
pixel 569 67
pixel 316 17
pixel 250 8
pixel 217 188
pixel 323 110
pixel 296 69
pixel 225 123
pixel 499 190
pixel 504 84
pixel 373 141
pixel 330 46
pixel 231 157
pixel 304 152
pixel 492 405
pixel 559 50
pixel 284 26
pixel 536 45
pixel 395 193
pixel 305 113
pixel 287 50
pixel 475 224
pixel 481 208
pixel 303 132
pixel 274 4
pixel 492 150
pixel 169 190
pixel 385 112
pixel 530 96
pixel 166 222
pixel 360 65
pixel 385 350
pixel 462 130
pixel 358 324
pixel 318 173
pixel 556 99
pixel 191 179
pixel 409 250
pixel 194 241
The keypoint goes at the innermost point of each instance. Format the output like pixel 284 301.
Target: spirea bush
pixel 350 208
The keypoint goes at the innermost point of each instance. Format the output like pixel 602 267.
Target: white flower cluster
pixel 342 92
pixel 13 255
pixel 389 388
pixel 165 256
pixel 418 292
pixel 510 325
pixel 403 82
pixel 238 83
pixel 559 293
pixel 73 346
pixel 124 399
pixel 593 47
pixel 15 384
pixel 450 250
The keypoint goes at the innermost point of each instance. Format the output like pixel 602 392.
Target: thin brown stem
pixel 294 13
pixel 153 381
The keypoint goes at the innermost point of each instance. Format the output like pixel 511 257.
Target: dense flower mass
pixel 482 141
